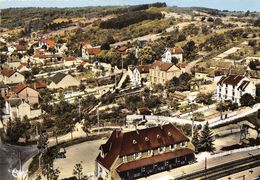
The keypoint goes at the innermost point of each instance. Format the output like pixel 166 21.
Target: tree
pixel 190 50
pixel 78 171
pixel 207 139
pixel 247 100
pixel 86 125
pixel 82 87
pixel 204 98
pixel 50 172
pixel 196 139
pixel 174 60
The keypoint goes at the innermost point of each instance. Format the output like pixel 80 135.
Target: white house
pixel 61 80
pixel 9 76
pixel 232 87
pixel 89 53
pixel 17 108
pixel 176 52
pixel 138 74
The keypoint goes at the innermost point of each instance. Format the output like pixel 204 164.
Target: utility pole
pixel 98 119
pixel 205 167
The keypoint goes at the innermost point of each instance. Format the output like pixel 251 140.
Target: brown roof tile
pixel 121 144
pixel 231 79
pixel 154 159
pixel 93 51
pixel 163 66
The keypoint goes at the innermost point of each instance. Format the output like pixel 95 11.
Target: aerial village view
pixel 124 90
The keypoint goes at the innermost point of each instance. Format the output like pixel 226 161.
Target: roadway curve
pixel 9 158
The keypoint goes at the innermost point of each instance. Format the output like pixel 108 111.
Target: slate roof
pixel 58 77
pixel 122 144
pixel 15 102
pixel 231 79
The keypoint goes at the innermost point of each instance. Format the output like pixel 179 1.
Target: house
pixel 144 111
pixel 140 153
pixel 69 61
pixel 26 93
pixel 4 89
pixel 88 51
pixel 232 87
pixel 138 74
pixel 176 52
pixel 47 43
pixel 22 67
pixel 38 85
pixel 61 80
pixel 21 48
pixel 17 108
pixel 161 72
pixel 9 76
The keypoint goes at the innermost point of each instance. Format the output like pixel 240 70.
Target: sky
pixel 237 5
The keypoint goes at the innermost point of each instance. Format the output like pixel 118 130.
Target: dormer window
pixel 137 155
pixel 169 133
pixel 184 144
pixel 134 142
pixel 158 136
pixel 161 150
pixel 150 152
pixel 171 147
pixel 124 159
pixel 146 139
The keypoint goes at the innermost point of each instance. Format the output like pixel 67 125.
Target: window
pixel 161 149
pixel 150 152
pixel 172 147
pixel 137 155
pixel 124 159
pixel 184 144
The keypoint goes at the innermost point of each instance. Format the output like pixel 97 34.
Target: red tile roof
pixel 49 42
pixel 38 85
pixel 93 51
pixel 177 50
pixel 18 88
pixel 122 48
pixel 143 68
pixel 182 65
pixel 21 48
pixel 231 79
pixel 121 144
pixel 7 72
pixel 163 66
pixel 154 159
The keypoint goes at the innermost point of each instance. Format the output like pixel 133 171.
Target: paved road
pixel 9 158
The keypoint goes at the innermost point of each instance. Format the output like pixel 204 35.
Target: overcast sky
pixel 252 5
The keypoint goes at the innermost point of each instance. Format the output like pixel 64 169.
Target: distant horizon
pixel 231 5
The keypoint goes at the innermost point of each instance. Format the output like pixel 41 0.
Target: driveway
pixel 84 153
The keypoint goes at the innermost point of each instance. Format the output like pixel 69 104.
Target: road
pixel 9 158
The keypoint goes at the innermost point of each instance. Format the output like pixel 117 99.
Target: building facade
pixel 161 72
pixel 140 153
pixel 232 87
pixel 176 52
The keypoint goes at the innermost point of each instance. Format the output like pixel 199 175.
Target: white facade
pixel 15 78
pixel 169 54
pixel 227 91
pixel 135 77
pixel 66 82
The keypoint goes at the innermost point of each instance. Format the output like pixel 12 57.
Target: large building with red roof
pixel 139 153
pixel 161 72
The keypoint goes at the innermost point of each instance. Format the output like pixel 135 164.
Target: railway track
pixel 223 170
